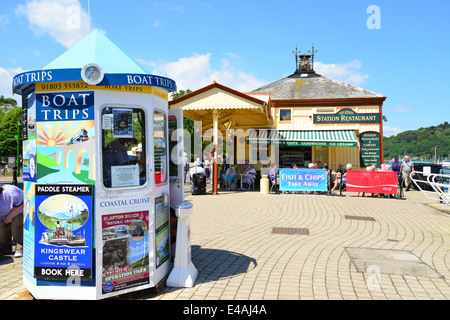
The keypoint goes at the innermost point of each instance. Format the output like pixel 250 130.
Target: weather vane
pixel 312 52
pixel 296 52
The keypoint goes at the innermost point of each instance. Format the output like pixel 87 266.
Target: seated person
pixel 341 176
pixel 273 172
pixel 116 154
pixel 230 176
pixel 198 168
pixel 250 176
pixel 265 171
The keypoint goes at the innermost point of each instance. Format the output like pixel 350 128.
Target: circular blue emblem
pixel 108 287
pixel 92 73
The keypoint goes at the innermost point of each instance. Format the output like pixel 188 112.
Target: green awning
pixel 324 138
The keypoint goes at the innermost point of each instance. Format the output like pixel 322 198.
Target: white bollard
pixel 184 272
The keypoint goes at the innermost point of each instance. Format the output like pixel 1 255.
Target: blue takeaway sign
pixel 303 180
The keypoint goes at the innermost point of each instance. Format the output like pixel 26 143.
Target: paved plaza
pixel 252 246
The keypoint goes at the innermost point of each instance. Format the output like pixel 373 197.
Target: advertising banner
pixel 303 180
pixel 29 222
pixel 64 232
pixel 372 181
pixel 125 251
pixel 162 214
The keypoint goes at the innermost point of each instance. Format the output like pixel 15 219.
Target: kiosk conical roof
pixel 96 48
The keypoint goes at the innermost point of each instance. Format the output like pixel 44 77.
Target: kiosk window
pixel 160 146
pixel 123 147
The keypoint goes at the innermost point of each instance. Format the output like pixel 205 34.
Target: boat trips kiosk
pixel 101 174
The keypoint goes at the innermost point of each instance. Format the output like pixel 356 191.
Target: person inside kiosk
pixel 121 130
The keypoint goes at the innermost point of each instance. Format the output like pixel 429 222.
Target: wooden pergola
pixel 221 108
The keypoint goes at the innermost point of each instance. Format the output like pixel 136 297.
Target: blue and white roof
pixel 95 49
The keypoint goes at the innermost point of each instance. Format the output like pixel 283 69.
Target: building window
pixel 123 147
pixel 285 114
pixel 160 146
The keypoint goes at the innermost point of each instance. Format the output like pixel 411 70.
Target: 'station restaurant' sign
pixel 347 116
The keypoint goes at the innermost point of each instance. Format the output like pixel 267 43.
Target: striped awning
pixel 325 138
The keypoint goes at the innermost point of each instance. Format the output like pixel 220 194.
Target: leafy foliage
pixel 8 129
pixel 419 143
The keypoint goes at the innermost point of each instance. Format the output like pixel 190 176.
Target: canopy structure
pixel 324 138
pixel 220 108
pixel 233 108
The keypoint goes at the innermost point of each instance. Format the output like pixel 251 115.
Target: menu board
pixel 122 123
pixel 160 146
pixel 370 148
pixel 173 163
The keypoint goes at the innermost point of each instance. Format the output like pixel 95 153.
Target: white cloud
pixel 346 72
pixel 179 9
pixel 6 76
pixel 196 72
pixel 64 20
pixel 4 19
pixel 390 131
pixel 400 109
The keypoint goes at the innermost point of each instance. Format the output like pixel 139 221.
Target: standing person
pixel 207 169
pixel 11 219
pixel 407 170
pixel 186 165
pixel 396 165
pixel 341 176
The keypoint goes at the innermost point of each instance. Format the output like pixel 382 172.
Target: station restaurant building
pixel 309 118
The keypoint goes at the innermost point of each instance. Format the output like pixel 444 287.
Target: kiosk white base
pixel 182 277
pixel 184 273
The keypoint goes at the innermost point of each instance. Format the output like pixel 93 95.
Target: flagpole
pixel 89 15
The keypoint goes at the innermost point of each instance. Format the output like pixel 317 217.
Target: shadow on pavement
pixel 211 264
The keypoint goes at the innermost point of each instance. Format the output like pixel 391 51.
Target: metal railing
pixel 439 189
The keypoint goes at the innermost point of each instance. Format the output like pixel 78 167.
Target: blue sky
pixel 246 44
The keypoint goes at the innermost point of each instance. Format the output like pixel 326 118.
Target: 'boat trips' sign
pixel 347 116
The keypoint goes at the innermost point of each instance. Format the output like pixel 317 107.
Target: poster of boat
pixel 29 160
pixel 63 236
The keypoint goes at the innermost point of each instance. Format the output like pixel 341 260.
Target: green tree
pixel 188 124
pixel 419 143
pixel 8 129
pixel 10 101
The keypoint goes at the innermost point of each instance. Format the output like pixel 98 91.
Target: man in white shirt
pixel 407 170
